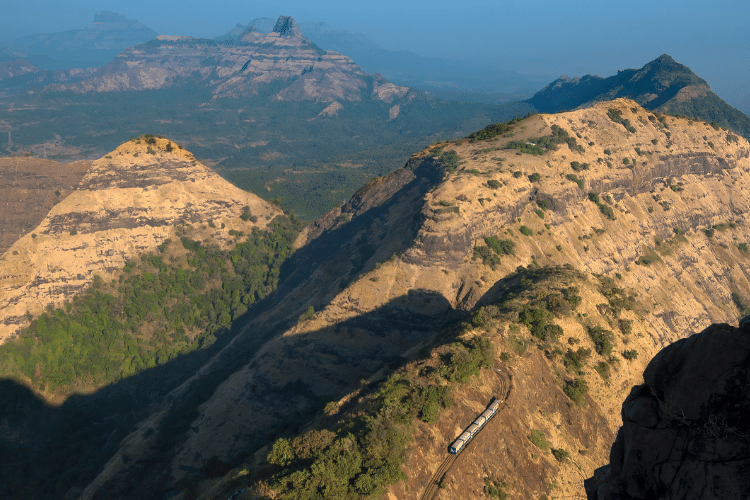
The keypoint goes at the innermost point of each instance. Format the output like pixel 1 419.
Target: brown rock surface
pixel 686 430
pixel 29 190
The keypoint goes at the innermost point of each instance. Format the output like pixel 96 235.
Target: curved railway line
pixel 437 478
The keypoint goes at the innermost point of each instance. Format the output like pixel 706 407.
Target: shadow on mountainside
pixel 46 450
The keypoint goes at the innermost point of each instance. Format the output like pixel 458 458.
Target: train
pixel 475 427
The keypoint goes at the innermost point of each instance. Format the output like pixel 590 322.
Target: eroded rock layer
pixel 126 203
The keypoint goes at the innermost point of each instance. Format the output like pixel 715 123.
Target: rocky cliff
pixel 650 208
pixel 125 203
pixel 239 67
pixel 685 432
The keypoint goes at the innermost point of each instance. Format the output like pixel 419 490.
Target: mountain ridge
pixel 663 85
pixel 411 241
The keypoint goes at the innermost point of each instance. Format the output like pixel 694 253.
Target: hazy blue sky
pixel 553 37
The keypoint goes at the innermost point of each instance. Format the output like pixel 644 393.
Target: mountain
pixel 99 42
pixel 460 80
pixel 687 421
pixel 662 85
pixel 564 250
pixel 123 204
pixel 273 113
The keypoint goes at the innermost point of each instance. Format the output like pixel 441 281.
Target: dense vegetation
pixel 362 455
pixel 492 131
pixel 538 145
pixel 159 309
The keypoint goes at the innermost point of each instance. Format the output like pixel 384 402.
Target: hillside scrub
pixel 538 145
pixel 158 310
pixel 490 254
pixel 361 456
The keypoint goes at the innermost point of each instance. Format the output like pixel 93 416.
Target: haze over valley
pixel 308 258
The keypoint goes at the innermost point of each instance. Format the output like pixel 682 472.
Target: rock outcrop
pixel 686 429
pixel 236 68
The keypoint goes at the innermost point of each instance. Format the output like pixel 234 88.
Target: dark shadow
pixel 45 450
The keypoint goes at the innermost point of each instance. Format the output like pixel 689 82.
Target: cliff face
pixel 126 203
pixel 686 430
pixel 388 270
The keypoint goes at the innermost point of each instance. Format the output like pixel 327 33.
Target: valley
pixel 567 249
pixel 311 280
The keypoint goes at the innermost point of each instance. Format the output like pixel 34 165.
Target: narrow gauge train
pixel 475 427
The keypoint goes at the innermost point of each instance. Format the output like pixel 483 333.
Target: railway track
pixel 434 484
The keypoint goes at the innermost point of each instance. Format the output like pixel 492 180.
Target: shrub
pixel 500 247
pixel 494 184
pixel 626 326
pixel 307 314
pixel 602 339
pixel 575 361
pixel 579 166
pixel 538 321
pixel 526 231
pixel 467 359
pixel 576 390
pixel 450 159
pixel 743 247
pixel 602 368
pixel 535 177
pixel 630 354
pixel 574 178
pixel 487 256
pixel 538 439
pixel 607 151
pixel 560 455
pixel 517 174
pixel 495 488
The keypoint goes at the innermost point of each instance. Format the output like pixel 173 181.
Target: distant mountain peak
pixel 663 85
pixel 106 16
pixel 285 26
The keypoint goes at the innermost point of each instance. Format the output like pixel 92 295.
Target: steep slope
pixel 126 203
pixel 653 205
pixel 663 85
pixel 685 429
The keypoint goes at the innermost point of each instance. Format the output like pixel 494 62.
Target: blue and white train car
pixel 475 427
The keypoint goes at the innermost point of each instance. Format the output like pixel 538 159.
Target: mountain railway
pixel 455 449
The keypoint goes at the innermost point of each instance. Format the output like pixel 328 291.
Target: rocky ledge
pixel 686 430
